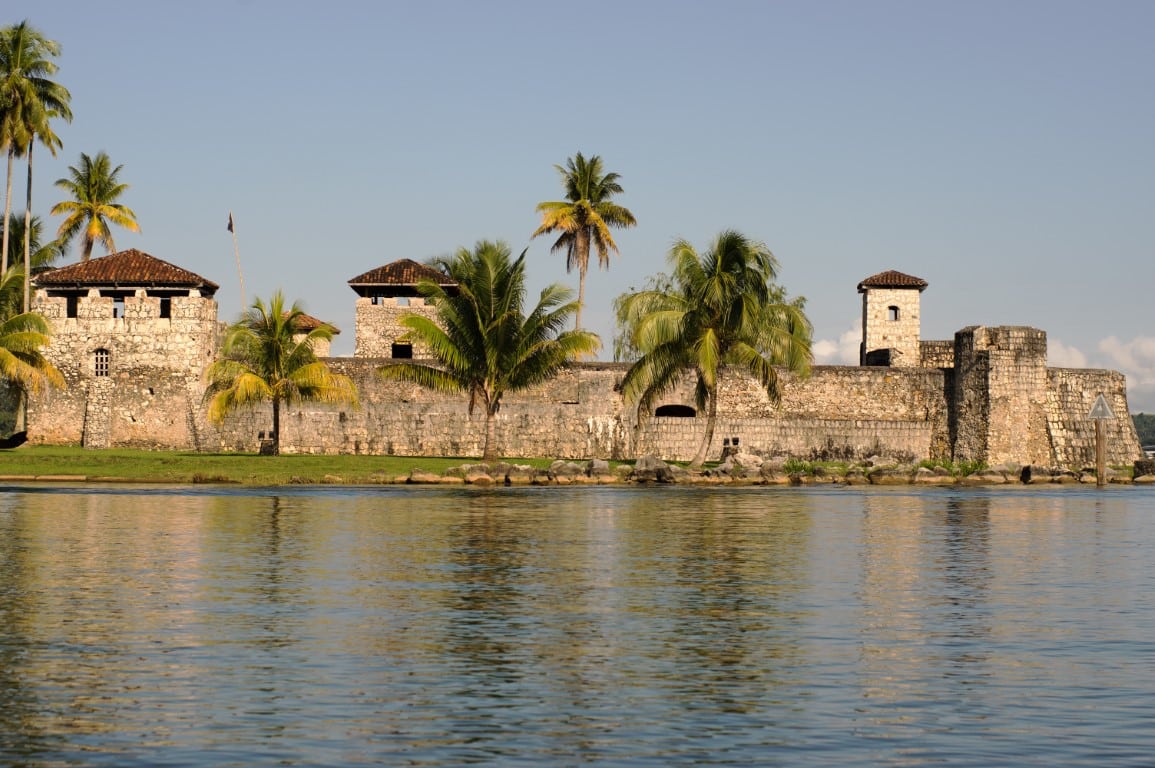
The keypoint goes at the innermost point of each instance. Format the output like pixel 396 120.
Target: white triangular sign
pixel 1100 410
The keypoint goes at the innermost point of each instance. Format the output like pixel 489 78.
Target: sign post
pixel 1100 412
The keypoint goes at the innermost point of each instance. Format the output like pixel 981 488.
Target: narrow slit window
pixel 102 362
pixel 892 313
pixel 72 306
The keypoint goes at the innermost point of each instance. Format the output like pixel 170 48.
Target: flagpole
pixel 237 253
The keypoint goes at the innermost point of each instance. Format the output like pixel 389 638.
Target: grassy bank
pixel 189 467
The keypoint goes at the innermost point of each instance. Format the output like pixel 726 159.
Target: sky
pixel 1003 152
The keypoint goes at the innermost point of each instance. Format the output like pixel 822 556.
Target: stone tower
pixel 891 320
pixel 132 335
pixel 385 295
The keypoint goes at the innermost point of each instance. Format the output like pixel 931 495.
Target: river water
pixel 590 626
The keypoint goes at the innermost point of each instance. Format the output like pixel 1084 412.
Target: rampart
pixel 134 361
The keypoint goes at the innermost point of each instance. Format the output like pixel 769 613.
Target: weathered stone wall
pixel 937 354
pixel 378 324
pixel 150 397
pixel 1071 393
pixel 997 403
pixel 1000 396
pixel 580 414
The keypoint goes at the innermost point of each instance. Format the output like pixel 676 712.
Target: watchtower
pixel 385 295
pixel 890 320
pixel 132 335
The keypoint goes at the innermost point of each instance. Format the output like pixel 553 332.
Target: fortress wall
pixel 1017 388
pixel 849 411
pixel 937 354
pixel 812 439
pixel 1071 393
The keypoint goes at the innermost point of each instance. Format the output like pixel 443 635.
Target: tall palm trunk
pixel 28 233
pixel 711 422
pixel 582 247
pixel 276 426
pixel 7 208
pixel 489 452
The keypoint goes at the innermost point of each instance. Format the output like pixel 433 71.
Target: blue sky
pixel 1004 152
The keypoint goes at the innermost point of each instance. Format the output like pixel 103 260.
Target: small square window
pixel 402 351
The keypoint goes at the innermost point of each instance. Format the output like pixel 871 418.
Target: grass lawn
pixel 190 467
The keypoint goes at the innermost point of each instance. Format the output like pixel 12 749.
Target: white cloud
pixel 1136 360
pixel 1059 355
pixel 844 351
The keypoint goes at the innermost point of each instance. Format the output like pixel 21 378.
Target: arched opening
pixel 680 411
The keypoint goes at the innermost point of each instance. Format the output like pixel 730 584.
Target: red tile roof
pixel 893 279
pixel 306 323
pixel 401 272
pixel 126 269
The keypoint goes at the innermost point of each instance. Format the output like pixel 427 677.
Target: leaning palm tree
pixel 266 358
pixel 482 342
pixel 23 337
pixel 29 100
pixel 719 308
pixel 584 218
pixel 95 188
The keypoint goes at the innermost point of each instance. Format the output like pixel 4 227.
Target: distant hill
pixel 1145 426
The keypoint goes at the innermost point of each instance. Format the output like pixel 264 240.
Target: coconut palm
pixel 718 308
pixel 29 101
pixel 584 218
pixel 23 336
pixel 95 187
pixel 30 229
pixel 482 342
pixel 266 358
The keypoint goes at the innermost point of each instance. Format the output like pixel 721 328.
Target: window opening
pixel 683 411
pixel 892 313
pixel 165 306
pixel 402 351
pixel 102 362
pixel 118 306
pixel 72 306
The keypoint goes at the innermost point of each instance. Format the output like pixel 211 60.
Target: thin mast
pixel 237 253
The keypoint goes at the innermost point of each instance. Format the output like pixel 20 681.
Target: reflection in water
pixel 575 626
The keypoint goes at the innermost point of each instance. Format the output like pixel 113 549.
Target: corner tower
pixel 132 335
pixel 891 320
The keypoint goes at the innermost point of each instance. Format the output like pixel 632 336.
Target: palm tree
pixel 21 229
pixel 266 358
pixel 717 308
pixel 584 218
pixel 484 344
pixel 95 187
pixel 23 336
pixel 29 101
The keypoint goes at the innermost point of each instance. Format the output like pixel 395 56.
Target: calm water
pixel 593 626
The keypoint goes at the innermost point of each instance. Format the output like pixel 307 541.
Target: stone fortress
pixel 133 334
